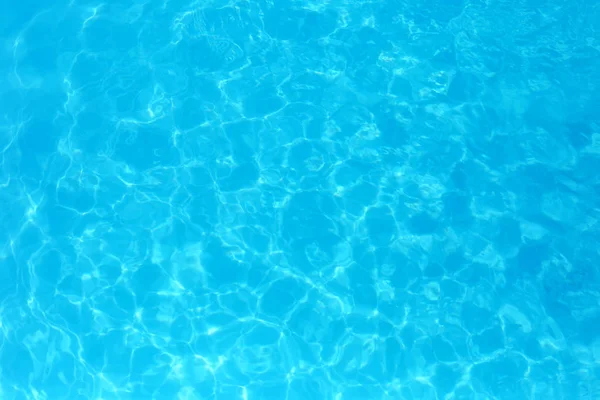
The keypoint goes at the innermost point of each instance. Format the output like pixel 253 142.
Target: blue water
pixel 345 200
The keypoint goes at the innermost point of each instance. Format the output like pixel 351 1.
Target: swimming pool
pixel 300 200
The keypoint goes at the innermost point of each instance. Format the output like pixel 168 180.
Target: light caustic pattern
pixel 294 200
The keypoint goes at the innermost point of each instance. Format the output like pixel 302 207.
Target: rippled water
pixel 300 200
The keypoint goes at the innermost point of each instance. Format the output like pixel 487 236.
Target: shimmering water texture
pixel 300 200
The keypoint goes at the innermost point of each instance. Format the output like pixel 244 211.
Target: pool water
pixel 297 200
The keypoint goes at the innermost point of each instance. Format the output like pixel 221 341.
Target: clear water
pixel 300 200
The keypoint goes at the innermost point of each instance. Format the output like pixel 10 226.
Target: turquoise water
pixel 345 200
